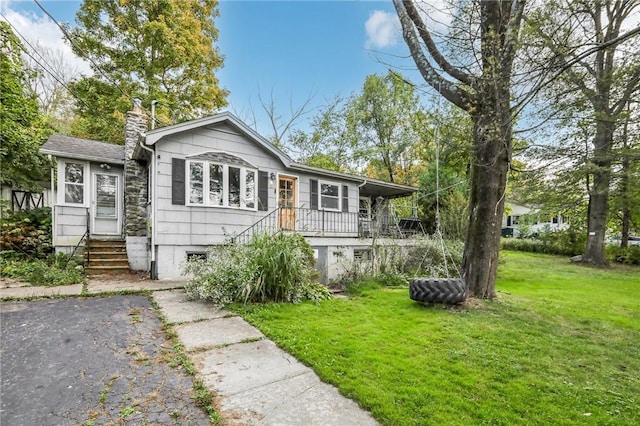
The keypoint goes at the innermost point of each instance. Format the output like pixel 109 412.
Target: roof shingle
pixel 83 149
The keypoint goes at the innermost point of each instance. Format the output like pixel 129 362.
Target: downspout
pixel 152 177
pixel 53 201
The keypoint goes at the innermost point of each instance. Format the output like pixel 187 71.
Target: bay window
pixel 221 185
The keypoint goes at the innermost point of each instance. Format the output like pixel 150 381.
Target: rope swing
pixel 429 290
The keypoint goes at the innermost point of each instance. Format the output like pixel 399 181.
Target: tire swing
pixel 449 291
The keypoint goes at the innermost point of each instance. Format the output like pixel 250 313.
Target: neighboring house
pixel 528 218
pixel 173 192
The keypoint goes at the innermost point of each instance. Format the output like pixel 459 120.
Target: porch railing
pixel 305 221
pixel 324 223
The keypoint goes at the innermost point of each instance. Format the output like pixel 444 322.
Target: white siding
pixel 70 225
pixel 180 229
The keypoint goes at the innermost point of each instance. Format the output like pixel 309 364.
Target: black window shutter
pixel 345 198
pixel 263 191
pixel 314 194
pixel 177 181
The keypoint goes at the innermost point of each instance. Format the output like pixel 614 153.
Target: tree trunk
pixel 599 195
pixel 491 153
pixel 626 211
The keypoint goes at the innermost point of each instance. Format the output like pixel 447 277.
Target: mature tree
pixel 326 146
pixel 379 124
pixel 51 73
pixel 625 206
pixel 597 87
pixel 22 128
pixel 483 89
pixel 281 123
pixel 373 132
pixel 152 50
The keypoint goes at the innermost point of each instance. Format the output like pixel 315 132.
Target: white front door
pixel 106 216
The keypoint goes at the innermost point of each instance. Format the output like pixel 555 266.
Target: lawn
pixel 561 345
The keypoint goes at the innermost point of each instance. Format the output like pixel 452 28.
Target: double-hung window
pixel 221 185
pixel 73 178
pixel 330 195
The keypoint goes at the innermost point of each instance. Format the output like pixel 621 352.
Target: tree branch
pixel 425 34
pixel 449 90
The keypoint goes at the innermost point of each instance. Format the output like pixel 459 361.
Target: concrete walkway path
pixel 257 383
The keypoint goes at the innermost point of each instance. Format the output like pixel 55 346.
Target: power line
pixel 55 77
pixel 86 56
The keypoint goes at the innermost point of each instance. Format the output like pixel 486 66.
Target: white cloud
pixel 38 29
pixel 383 29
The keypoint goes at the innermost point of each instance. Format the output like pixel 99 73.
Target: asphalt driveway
pixel 98 360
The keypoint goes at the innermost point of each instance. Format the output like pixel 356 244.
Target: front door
pixel 287 203
pixel 105 204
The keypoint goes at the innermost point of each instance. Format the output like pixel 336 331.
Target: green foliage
pixel 560 347
pixel 55 270
pixel 22 128
pixel 625 255
pixel 270 268
pixel 26 234
pixel 379 124
pixel 568 242
pixel 394 265
pixel 150 50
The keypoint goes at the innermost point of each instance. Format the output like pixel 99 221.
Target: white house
pixel 519 216
pixel 171 193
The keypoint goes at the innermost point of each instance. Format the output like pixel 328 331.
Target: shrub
pixel 569 242
pixel 626 255
pixel 395 265
pixel 278 268
pixel 26 234
pixel 55 270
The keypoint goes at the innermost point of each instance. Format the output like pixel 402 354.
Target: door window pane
pixel 106 191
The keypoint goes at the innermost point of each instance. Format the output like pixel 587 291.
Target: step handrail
pixel 259 226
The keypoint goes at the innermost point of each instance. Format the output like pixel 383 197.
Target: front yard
pixel 559 346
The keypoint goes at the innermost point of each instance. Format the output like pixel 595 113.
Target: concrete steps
pixel 106 257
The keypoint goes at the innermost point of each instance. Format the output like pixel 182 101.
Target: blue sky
pixel 293 49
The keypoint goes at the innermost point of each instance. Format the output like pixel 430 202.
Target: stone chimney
pixel 135 191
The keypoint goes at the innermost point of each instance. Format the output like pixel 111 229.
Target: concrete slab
pixel 211 333
pixel 242 367
pixel 300 400
pixel 28 292
pixel 107 287
pixel 178 309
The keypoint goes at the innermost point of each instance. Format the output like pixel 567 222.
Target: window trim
pixel 327 182
pixel 225 185
pixel 62 183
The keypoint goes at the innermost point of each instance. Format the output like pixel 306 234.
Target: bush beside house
pixel 26 250
pixel 269 268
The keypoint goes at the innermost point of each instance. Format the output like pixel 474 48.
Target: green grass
pixel 561 345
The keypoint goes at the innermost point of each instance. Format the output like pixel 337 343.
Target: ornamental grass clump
pixel 270 268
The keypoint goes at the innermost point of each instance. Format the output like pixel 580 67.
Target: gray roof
pixel 83 149
pixel 223 158
pixel 153 136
